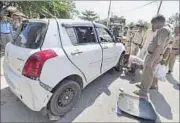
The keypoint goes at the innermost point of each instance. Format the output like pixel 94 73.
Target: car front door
pixel 85 51
pixel 111 50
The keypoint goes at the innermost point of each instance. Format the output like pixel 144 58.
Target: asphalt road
pixel 98 101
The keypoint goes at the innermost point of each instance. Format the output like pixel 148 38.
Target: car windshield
pixel 30 35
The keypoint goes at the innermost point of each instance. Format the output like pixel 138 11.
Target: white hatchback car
pixel 51 61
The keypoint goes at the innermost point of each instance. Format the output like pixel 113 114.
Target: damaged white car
pixel 51 61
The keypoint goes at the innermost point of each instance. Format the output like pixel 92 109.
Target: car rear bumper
pixel 28 91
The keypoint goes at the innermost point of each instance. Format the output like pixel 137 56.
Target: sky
pixel 124 8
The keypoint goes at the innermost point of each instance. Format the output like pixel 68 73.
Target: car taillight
pixel 35 62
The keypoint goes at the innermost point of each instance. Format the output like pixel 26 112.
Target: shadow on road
pixel 173 81
pixel 132 78
pixel 161 105
pixel 90 94
pixel 13 110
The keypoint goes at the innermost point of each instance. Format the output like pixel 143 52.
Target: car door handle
pixel 76 52
pixel 105 47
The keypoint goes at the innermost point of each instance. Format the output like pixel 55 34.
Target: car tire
pixel 120 64
pixel 68 92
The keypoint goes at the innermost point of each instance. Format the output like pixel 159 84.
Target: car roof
pixel 80 23
pixel 70 22
pixel 37 20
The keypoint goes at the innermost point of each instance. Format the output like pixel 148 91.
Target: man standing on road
pixel 169 47
pixel 155 50
pixel 137 40
pixel 125 31
pixel 129 39
pixel 6 31
pixel 175 50
pixel 147 38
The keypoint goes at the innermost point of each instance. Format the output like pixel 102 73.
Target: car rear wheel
pixel 64 98
pixel 120 64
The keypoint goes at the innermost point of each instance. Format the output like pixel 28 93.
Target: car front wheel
pixel 64 98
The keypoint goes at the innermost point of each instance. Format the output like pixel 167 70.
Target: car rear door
pixel 111 50
pixel 84 50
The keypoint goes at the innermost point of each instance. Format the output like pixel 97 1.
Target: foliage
pixel 103 21
pixel 145 23
pixel 58 8
pixel 174 19
pixel 89 15
pixel 131 24
pixel 115 19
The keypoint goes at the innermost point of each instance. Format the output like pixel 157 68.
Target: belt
pixel 4 33
pixel 136 43
pixel 152 53
pixel 175 48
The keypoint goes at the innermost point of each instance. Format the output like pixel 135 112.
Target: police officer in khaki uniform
pixel 168 49
pixel 147 39
pixel 129 37
pixel 175 50
pixel 137 40
pixel 155 50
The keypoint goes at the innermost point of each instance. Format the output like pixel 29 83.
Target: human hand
pixel 163 61
pixel 140 46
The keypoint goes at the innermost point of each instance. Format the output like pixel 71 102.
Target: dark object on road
pixel 135 106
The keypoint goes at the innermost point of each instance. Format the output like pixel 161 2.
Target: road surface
pixel 98 101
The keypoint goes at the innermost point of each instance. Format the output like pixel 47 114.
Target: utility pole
pixel 109 10
pixel 159 7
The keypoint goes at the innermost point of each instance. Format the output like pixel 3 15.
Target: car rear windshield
pixel 30 35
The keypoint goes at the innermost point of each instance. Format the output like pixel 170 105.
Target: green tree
pixel 131 24
pixel 145 23
pixel 174 19
pixel 115 19
pixel 56 9
pixel 89 15
pixel 103 21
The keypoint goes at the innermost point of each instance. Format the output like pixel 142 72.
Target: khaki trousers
pixel 142 53
pixel 148 80
pixel 128 47
pixel 166 53
pixel 134 49
pixel 172 59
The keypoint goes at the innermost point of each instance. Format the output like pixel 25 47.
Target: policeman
pixel 147 38
pixel 125 31
pixel 168 49
pixel 175 49
pixel 129 39
pixel 155 50
pixel 137 40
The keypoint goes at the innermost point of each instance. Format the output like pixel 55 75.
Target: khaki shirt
pixel 171 42
pixel 161 38
pixel 129 35
pixel 148 38
pixel 175 45
pixel 138 37
pixel 176 42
